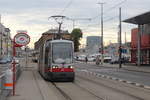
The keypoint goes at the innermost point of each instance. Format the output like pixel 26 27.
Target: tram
pixel 56 60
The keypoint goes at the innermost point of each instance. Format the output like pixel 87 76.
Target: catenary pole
pixel 102 44
pixel 120 40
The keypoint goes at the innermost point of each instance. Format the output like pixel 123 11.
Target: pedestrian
pixel 97 60
pixel 86 59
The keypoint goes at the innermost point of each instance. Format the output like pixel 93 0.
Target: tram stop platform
pixel 31 86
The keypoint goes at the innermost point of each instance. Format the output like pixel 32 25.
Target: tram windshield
pixel 62 53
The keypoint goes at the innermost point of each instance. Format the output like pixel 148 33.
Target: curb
pixel 123 68
pixel 136 70
pixel 117 79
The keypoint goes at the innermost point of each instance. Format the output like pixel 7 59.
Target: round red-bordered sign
pixel 21 39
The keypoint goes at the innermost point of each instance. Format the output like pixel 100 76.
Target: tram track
pixel 63 88
pixel 70 96
pixel 67 97
pixel 84 87
pixel 90 92
pixel 109 87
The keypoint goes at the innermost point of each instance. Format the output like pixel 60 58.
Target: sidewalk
pixel 31 86
pixel 145 69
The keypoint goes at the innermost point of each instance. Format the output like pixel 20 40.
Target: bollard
pixel 9 79
pixel 1 86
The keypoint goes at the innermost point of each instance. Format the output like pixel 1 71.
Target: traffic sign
pixel 21 39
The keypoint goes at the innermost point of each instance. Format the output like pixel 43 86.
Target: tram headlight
pixel 54 66
pixel 70 67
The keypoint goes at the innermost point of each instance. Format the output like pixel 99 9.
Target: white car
pixel 107 59
pixel 81 58
pixel 91 58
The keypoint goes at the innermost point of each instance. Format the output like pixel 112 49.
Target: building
pixel 8 42
pixel 51 34
pixel 93 44
pixel 140 38
pixel 144 44
pixel 5 41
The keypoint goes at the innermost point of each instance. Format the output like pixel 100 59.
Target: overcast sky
pixel 32 15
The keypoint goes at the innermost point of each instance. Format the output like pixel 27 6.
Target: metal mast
pixel 120 40
pixel 102 44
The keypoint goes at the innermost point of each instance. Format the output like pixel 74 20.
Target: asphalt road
pixel 137 77
pixel 85 87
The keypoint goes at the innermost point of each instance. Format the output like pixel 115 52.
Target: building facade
pixel 93 44
pixel 5 41
pixel 51 34
pixel 144 45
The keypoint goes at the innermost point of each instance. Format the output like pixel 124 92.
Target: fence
pixel 5 92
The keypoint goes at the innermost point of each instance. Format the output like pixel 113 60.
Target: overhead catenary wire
pixel 67 6
pixel 109 9
pixel 97 24
pixel 110 19
pixel 115 6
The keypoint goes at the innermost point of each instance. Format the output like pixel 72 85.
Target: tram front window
pixel 62 53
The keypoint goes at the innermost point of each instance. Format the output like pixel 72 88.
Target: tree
pixel 76 35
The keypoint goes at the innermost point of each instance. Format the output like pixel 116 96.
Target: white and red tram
pixel 56 60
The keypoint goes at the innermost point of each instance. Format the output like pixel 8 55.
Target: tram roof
pixel 139 19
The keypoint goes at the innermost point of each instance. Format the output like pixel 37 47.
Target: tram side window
pixel 49 56
pixel 41 55
pixel 46 55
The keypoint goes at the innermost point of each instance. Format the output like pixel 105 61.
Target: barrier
pixel 2 87
pixel 5 81
pixel 9 79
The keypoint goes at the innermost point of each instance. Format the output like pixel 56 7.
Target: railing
pixel 2 88
pixel 3 91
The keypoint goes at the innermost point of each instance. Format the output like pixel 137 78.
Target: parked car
pixel 5 60
pixel 116 61
pixel 107 59
pixel 91 58
pixel 9 59
pixel 81 58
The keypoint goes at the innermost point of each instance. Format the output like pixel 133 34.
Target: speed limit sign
pixel 22 39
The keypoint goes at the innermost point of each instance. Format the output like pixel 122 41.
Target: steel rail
pixel 109 87
pixel 67 97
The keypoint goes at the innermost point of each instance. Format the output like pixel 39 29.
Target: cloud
pixel 32 15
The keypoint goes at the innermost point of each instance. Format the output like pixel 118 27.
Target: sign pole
pixel 20 39
pixel 14 68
